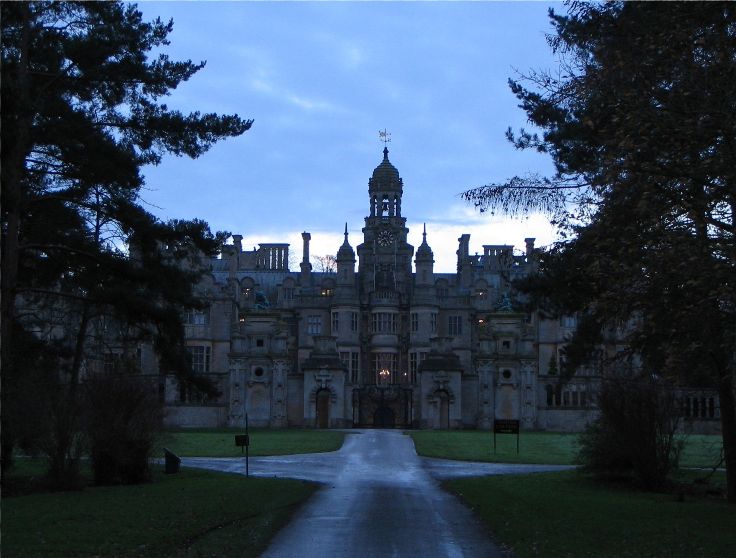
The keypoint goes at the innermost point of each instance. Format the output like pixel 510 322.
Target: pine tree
pixel 640 121
pixel 82 113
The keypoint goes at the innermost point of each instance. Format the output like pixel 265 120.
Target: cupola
pixel 385 188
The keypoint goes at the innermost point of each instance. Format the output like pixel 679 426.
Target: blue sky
pixel 320 80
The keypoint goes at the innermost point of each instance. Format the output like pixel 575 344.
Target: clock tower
pixel 385 255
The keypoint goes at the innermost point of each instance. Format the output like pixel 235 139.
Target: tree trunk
pixel 728 427
pixel 13 169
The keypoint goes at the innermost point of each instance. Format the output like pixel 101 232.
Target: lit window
pixel 326 292
pixel 384 367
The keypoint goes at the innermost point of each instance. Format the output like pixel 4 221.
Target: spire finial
pixel 346 230
pixel 424 234
pixel 385 137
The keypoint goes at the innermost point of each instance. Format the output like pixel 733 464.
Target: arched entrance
pixel 384 417
pixel 323 408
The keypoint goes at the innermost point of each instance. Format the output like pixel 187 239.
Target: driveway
pixel 380 499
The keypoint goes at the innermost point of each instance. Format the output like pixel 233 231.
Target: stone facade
pixel 380 345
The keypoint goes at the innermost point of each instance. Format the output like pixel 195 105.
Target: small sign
pixel 242 440
pixel 506 427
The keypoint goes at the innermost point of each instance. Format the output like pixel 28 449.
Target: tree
pixel 640 121
pixel 82 113
pixel 325 264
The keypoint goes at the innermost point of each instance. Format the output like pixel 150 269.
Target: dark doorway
pixel 444 410
pixel 384 417
pixel 323 408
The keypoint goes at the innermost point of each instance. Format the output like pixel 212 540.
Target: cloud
pixel 442 237
pixel 282 94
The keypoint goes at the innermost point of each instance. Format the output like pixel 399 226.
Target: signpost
pixel 243 440
pixel 506 427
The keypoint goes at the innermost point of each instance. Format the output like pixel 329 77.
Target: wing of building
pixel 383 343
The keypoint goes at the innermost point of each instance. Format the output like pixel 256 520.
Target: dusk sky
pixel 320 80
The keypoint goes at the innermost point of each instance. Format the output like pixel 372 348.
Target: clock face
pixel 385 238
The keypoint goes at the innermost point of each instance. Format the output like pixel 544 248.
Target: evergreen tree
pixel 82 113
pixel 640 121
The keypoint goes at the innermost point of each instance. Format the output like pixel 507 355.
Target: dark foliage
pixel 640 121
pixel 635 432
pixel 122 420
pixel 82 92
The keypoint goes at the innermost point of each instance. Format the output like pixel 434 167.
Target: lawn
pixel 537 447
pixel 568 514
pixel 194 513
pixel 221 442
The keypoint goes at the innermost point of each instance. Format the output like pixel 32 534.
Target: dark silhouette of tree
pixel 640 120
pixel 82 113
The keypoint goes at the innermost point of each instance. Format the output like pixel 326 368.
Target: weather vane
pixel 385 136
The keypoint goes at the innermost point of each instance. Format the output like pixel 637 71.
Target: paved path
pixel 380 500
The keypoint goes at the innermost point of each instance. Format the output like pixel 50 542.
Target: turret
pixel 424 262
pixel 345 262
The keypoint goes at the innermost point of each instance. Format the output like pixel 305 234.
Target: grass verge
pixel 476 445
pixel 568 514
pixel 538 447
pixel 189 515
pixel 221 442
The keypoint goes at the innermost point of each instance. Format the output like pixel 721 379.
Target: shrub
pixel 635 432
pixel 123 419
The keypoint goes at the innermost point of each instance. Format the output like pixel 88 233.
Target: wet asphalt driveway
pixel 380 500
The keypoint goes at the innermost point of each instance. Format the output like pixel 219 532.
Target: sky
pixel 319 80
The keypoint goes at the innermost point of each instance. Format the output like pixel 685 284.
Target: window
pixel 353 321
pixel 354 367
pixel 442 292
pixel 415 360
pixel 326 291
pixel 455 325
pixel 288 293
pixel 384 367
pixel 260 342
pixel 351 360
pixel 568 321
pixel 335 323
pixel 200 359
pixel 414 322
pixel 433 322
pixel 384 322
pixel 699 407
pixel 314 324
pixel 196 317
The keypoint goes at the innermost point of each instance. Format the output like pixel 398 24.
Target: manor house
pixel 376 342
